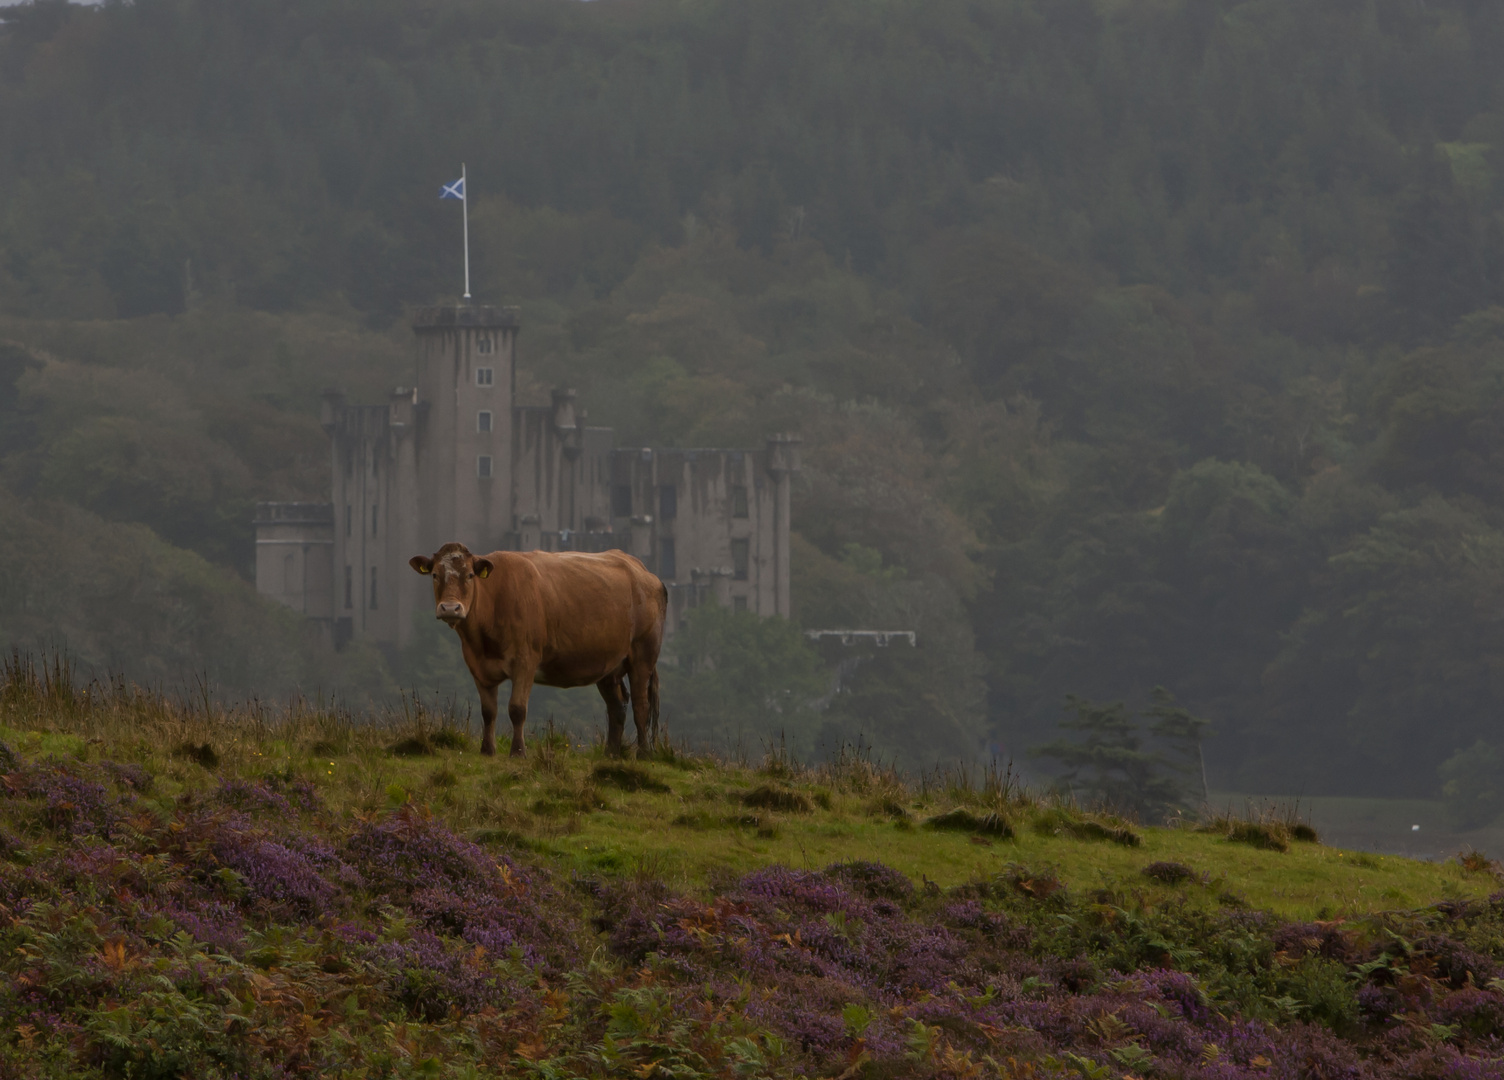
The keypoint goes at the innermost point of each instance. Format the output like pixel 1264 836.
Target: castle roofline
pixel 294 513
pixel 479 316
pixel 630 450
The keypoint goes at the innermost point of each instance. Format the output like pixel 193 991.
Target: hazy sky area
pixel 1151 376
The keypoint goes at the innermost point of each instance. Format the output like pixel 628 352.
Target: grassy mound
pixel 627 777
pixel 960 819
pixel 1067 821
pixel 1169 873
pixel 782 799
pixel 419 743
pixel 1269 828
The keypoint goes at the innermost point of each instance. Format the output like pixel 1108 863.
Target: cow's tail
pixel 653 705
pixel 653 670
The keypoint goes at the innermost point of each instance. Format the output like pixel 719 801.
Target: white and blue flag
pixel 456 190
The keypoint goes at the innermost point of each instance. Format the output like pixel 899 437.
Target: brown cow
pixel 568 619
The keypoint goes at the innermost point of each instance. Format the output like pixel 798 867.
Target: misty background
pixel 1133 344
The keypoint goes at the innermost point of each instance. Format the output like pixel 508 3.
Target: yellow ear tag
pixel 425 569
pixel 484 571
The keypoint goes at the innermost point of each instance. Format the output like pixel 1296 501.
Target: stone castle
pixel 454 457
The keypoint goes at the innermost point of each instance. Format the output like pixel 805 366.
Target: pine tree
pixel 1110 765
pixel 1174 724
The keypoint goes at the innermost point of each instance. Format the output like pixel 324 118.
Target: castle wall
pixel 707 522
pixel 544 479
pixel 294 544
pixel 374 465
pixel 560 496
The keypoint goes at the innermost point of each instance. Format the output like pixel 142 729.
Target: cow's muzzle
pixel 450 611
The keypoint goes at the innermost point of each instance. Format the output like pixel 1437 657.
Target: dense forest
pixel 1134 343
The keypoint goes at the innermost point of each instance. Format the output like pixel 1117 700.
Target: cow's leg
pixel 642 697
pixel 616 711
pixel 522 688
pixel 488 719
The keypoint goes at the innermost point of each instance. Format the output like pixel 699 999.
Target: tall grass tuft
pixel 1268 825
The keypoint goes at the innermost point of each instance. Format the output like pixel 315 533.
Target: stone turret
pixel 783 463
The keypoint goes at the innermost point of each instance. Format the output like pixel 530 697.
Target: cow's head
pixel 454 571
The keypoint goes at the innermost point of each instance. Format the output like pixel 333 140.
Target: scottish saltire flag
pixel 456 190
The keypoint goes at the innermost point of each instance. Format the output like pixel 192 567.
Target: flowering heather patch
pixel 129 775
pixel 59 797
pixel 250 795
pixel 248 932
pixel 434 977
pixel 456 887
pixel 273 793
pixel 297 790
pixel 214 923
pixel 280 874
pixel 945 987
pixel 873 880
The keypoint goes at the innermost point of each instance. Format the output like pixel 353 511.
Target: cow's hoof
pixel 518 751
pixel 487 751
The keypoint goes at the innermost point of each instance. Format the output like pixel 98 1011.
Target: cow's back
pixel 592 602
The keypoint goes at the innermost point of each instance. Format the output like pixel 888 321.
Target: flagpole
pixel 465 212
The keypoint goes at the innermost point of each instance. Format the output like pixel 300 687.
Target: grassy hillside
pixel 193 891
pixel 692 820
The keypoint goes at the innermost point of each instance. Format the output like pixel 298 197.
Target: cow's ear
pixel 482 567
pixel 421 563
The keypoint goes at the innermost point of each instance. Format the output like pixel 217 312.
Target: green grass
pixel 687 819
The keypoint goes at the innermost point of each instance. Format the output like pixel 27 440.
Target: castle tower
pixel 466 383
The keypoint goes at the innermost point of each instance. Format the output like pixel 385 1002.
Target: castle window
pixel 739 501
pixel 483 376
pixel 483 466
pixel 349 584
pixel 666 568
pixel 373 519
pixel 373 588
pixel 740 556
pixel 739 604
pixel 621 500
pixel 484 345
pixel 483 420
pixel 668 502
